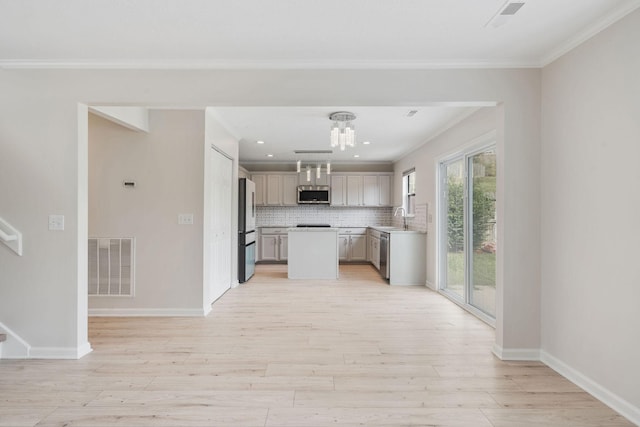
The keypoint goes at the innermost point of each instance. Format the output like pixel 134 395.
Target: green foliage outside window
pixel 483 214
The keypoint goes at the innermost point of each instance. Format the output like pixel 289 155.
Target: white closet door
pixel 220 232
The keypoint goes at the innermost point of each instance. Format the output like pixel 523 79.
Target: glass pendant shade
pixel 342 133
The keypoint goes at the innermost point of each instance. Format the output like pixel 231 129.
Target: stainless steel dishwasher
pixel 384 255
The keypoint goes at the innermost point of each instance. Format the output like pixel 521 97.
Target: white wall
pixel 590 206
pixel 425 161
pixel 134 118
pixel 42 151
pixel 168 168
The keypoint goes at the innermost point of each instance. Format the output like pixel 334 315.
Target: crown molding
pixel 194 64
pixel 590 31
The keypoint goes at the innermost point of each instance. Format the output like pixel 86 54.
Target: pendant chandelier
pixel 311 164
pixel 342 131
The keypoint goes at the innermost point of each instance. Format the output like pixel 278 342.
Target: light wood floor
pixel 274 352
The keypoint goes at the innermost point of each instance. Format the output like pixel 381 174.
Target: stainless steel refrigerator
pixel 246 230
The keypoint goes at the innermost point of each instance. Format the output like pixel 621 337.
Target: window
pixel 409 191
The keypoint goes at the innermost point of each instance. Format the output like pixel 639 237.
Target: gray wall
pixel 168 167
pixel 43 131
pixel 590 205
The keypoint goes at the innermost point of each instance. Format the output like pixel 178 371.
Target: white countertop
pixel 381 228
pixel 393 230
pixel 312 229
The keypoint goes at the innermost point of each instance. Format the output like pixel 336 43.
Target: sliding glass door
pixel 467 249
pixel 453 250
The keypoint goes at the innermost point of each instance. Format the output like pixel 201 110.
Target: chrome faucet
pixel 404 216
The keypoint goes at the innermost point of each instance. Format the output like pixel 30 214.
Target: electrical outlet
pixel 185 219
pixel 56 222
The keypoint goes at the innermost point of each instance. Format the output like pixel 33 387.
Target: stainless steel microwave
pixel 314 194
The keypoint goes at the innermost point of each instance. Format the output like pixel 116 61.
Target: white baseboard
pixel 431 286
pixel 615 402
pixel 147 312
pixel 14 347
pixel 207 310
pixel 60 352
pixel 235 284
pixel 17 348
pixel 526 354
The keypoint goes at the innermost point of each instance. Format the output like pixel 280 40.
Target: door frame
pixel 464 152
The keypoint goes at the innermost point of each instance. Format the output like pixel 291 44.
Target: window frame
pixel 408 196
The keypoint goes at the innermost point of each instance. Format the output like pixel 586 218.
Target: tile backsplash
pixel 322 214
pixel 417 222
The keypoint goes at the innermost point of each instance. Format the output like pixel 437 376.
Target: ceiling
pixel 298 34
pixel 390 131
pixel 295 33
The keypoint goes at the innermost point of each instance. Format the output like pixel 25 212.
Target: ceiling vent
pixel 511 8
pixel 503 14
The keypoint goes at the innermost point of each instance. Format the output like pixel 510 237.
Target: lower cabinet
pixel 274 244
pixel 352 244
pixel 374 249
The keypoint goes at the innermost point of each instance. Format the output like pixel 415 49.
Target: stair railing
pixel 11 237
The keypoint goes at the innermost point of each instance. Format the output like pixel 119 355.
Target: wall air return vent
pixel 111 266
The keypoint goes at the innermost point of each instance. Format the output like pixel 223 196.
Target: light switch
pixel 185 219
pixel 56 222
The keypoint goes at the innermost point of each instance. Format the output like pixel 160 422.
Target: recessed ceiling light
pixel 269 155
pixel 412 113
pixel 356 155
pixel 259 142
pixel 366 142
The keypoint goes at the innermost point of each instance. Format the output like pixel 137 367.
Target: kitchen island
pixel 313 253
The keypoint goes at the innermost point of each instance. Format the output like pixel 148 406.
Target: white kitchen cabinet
pixel 260 180
pixel 376 190
pixel 289 190
pixel 374 248
pixel 354 190
pixel 385 190
pixel 407 255
pixel 358 248
pixel 343 248
pixel 283 248
pixel 368 189
pixel 268 248
pixel 338 190
pixel 273 244
pixel 352 244
pixel 276 189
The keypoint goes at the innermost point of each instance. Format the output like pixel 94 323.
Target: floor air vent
pixel 111 266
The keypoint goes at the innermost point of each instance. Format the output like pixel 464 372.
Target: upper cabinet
pixel 353 189
pixel 276 189
pixel 261 188
pixel 357 189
